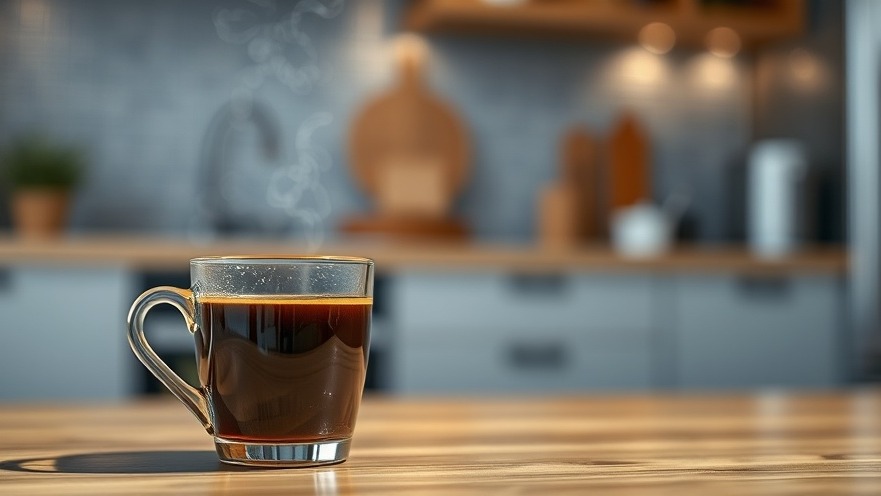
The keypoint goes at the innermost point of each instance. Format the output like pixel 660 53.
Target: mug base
pixel 282 454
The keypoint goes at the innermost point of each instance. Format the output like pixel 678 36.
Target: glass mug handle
pixel 182 299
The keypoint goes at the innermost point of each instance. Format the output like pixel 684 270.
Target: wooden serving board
pixel 408 121
pixel 628 171
pixel 409 151
pixel 570 211
pixel 580 170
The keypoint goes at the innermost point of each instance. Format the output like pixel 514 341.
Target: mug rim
pixel 280 259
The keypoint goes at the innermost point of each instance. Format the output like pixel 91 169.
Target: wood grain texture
pixel 771 443
pixel 154 253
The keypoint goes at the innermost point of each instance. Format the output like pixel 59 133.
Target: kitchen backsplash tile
pixel 138 83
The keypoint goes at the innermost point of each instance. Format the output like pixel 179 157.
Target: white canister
pixel 774 193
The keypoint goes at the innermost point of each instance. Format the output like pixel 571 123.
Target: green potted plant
pixel 41 176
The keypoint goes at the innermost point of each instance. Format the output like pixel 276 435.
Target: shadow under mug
pixel 281 348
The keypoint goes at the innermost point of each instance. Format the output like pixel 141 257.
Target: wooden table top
pixel 771 443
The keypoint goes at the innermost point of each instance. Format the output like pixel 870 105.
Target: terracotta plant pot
pixel 40 213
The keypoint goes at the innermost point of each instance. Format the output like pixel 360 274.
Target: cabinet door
pixel 502 333
pixel 64 334
pixel 747 332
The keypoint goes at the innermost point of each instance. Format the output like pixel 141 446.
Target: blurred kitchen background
pixel 561 195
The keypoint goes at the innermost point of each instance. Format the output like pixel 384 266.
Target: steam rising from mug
pixel 269 38
pixel 280 50
pixel 296 188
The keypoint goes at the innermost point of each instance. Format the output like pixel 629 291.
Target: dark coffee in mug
pixel 283 369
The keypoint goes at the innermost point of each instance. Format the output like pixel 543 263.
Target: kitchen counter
pixel 770 443
pixel 153 253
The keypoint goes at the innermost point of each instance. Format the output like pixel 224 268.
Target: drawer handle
pixel 759 287
pixel 537 356
pixel 549 285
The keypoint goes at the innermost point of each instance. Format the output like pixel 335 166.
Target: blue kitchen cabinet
pixel 64 334
pixel 506 333
pixel 746 332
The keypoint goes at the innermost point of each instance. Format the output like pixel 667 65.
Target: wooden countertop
pixel 770 443
pixel 153 253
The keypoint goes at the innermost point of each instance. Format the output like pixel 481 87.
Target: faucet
pixel 213 213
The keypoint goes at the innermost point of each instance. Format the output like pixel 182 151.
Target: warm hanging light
pixel 803 66
pixel 657 38
pixel 409 47
pixel 723 42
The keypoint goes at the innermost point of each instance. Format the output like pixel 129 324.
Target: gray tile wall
pixel 138 84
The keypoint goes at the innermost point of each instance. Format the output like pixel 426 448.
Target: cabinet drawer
pixel 438 307
pixel 538 367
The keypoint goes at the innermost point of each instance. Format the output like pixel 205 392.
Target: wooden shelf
pixel 756 21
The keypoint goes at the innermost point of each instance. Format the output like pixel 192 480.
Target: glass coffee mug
pixel 281 349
